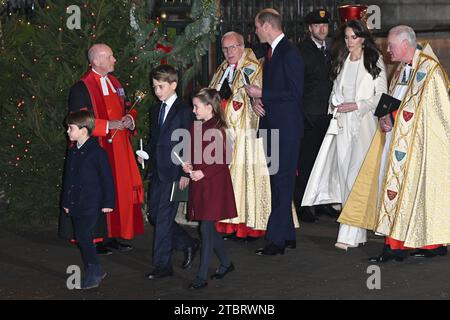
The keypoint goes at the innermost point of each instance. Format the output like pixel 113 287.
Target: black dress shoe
pixel 307 215
pixel 291 244
pixel 220 275
pixel 197 284
pixel 119 246
pixel 189 255
pixel 385 257
pixel 102 250
pixel 424 253
pixel 159 273
pixel 270 250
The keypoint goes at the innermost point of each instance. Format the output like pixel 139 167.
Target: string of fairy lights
pixel 21 140
pixel 21 103
pixel 22 145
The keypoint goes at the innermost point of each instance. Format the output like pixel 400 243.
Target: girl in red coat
pixel 211 196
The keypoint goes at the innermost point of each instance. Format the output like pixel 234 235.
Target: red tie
pixel 269 54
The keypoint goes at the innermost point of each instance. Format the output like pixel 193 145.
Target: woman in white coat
pixel 359 80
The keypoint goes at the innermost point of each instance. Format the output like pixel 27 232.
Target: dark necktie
pixel 323 49
pixel 162 112
pixel 269 54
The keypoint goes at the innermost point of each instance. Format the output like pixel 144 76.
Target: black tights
pixel 211 241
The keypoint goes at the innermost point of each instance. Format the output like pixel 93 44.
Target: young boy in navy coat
pixel 166 117
pixel 88 190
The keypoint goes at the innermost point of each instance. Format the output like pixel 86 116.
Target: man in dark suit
pixel 166 117
pixel 278 103
pixel 318 85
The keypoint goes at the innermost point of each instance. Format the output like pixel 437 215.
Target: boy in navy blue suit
pixel 171 114
pixel 87 192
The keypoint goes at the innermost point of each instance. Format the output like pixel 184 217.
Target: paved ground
pixel 33 266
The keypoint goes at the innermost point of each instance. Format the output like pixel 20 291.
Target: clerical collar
pixel 99 73
pixel 230 72
pixel 104 81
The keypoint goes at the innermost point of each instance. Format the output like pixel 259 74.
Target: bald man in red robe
pixel 102 94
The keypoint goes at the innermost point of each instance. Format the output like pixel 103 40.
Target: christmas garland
pixel 37 74
pixel 187 48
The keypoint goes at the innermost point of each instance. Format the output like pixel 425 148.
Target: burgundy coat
pixel 211 198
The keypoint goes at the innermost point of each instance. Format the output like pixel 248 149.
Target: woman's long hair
pixel 212 97
pixel 370 50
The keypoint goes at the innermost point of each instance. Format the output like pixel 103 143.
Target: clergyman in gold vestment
pixel 403 188
pixel 249 172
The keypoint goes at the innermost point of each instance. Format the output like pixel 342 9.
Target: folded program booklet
pixel 387 105
pixel 178 195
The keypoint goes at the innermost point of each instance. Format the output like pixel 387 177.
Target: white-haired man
pixel 249 173
pixel 410 170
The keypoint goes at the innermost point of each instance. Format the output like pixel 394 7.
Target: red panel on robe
pixel 241 230
pixel 399 245
pixel 126 220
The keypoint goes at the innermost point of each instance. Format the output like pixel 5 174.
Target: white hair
pixel 403 32
pixel 238 36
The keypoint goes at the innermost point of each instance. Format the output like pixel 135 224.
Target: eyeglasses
pixel 231 48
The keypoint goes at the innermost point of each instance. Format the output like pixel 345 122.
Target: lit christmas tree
pixel 40 59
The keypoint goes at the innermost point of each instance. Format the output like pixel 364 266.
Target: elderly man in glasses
pixel 248 168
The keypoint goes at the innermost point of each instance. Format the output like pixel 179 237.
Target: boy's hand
pixel 66 210
pixel 197 175
pixel 184 182
pixel 187 167
pixel 107 210
pixel 140 160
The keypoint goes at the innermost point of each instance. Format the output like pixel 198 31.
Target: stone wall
pixel 429 18
pixel 420 14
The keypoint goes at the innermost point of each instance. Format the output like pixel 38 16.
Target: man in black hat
pixel 318 87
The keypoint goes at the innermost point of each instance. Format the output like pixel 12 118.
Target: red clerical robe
pixel 126 220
